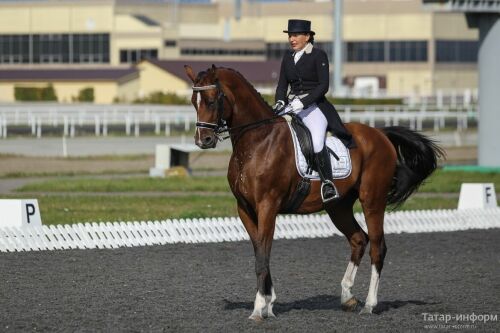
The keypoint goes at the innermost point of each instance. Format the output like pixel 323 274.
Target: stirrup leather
pixel 334 197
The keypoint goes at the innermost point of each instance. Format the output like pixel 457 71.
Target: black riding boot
pixel 324 168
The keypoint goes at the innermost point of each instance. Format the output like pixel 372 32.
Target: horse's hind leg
pixel 343 218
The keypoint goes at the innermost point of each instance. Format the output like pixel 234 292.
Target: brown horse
pixel 387 166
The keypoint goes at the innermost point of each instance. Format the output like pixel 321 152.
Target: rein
pixel 243 128
pixel 221 127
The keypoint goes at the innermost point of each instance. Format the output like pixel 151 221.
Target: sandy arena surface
pixel 211 287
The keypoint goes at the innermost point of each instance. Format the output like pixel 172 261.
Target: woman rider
pixel 305 69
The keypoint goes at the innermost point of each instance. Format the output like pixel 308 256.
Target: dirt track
pixel 211 287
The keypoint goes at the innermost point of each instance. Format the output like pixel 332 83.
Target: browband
pixel 212 86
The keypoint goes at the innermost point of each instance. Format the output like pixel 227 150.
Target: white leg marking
pixel 371 299
pixel 348 282
pixel 259 305
pixel 263 306
pixel 270 303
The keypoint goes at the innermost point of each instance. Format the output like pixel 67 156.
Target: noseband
pixel 220 126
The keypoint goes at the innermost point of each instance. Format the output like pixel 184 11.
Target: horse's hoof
pixel 350 305
pixel 257 318
pixel 366 310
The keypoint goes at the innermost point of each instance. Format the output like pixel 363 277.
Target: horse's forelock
pixel 200 76
pixel 208 77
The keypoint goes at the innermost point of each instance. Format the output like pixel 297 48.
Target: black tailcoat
pixel 311 76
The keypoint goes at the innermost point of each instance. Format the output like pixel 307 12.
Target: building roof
pixel 257 72
pixel 61 74
pixel 146 20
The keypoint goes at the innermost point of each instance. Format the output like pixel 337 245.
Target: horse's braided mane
pixel 258 94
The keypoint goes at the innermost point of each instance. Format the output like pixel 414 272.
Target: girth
pixel 298 196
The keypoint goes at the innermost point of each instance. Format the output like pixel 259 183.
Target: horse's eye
pixel 211 104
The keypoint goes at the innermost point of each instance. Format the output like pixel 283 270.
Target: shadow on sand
pixel 322 302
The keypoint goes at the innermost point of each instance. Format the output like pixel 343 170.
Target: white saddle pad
pixel 340 169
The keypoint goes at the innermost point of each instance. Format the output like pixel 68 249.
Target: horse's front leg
pixel 265 297
pixel 262 241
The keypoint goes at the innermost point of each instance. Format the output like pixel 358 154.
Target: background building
pixel 391 47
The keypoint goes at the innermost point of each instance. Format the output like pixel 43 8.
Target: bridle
pixel 221 126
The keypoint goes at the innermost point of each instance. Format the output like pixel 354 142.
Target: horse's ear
pixel 213 67
pixel 189 72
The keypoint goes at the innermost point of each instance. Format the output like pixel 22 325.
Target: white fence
pixel 38 117
pixel 130 234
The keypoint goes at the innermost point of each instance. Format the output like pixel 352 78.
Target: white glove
pixel 296 105
pixel 278 106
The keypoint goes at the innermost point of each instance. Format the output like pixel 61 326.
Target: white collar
pixel 307 49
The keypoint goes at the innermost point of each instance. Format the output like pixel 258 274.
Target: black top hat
pixel 299 26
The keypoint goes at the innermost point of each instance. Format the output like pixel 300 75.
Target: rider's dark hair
pixel 311 38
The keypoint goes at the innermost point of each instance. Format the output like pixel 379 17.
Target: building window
pixel 14 49
pixel 170 43
pixel 365 51
pixel 456 50
pixel 54 48
pixel 90 48
pixel 407 51
pixel 222 52
pixel 132 56
pixel 276 50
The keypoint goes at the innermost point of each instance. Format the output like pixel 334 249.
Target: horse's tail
pixel 417 159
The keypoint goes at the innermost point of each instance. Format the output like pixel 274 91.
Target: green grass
pixel 173 184
pixel 440 181
pixel 472 168
pixel 74 209
pixel 417 203
pixel 450 181
pixel 131 157
pixel 21 174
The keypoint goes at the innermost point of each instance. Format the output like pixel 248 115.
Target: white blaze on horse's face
pixel 205 103
pixel 198 99
pixel 197 138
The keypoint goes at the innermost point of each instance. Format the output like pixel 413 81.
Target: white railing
pixel 37 117
pixel 214 230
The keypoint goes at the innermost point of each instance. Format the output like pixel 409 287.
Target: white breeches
pixel 316 122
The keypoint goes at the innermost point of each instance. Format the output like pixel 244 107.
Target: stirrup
pixel 336 196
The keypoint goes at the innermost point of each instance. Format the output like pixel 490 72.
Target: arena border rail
pixel 106 235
